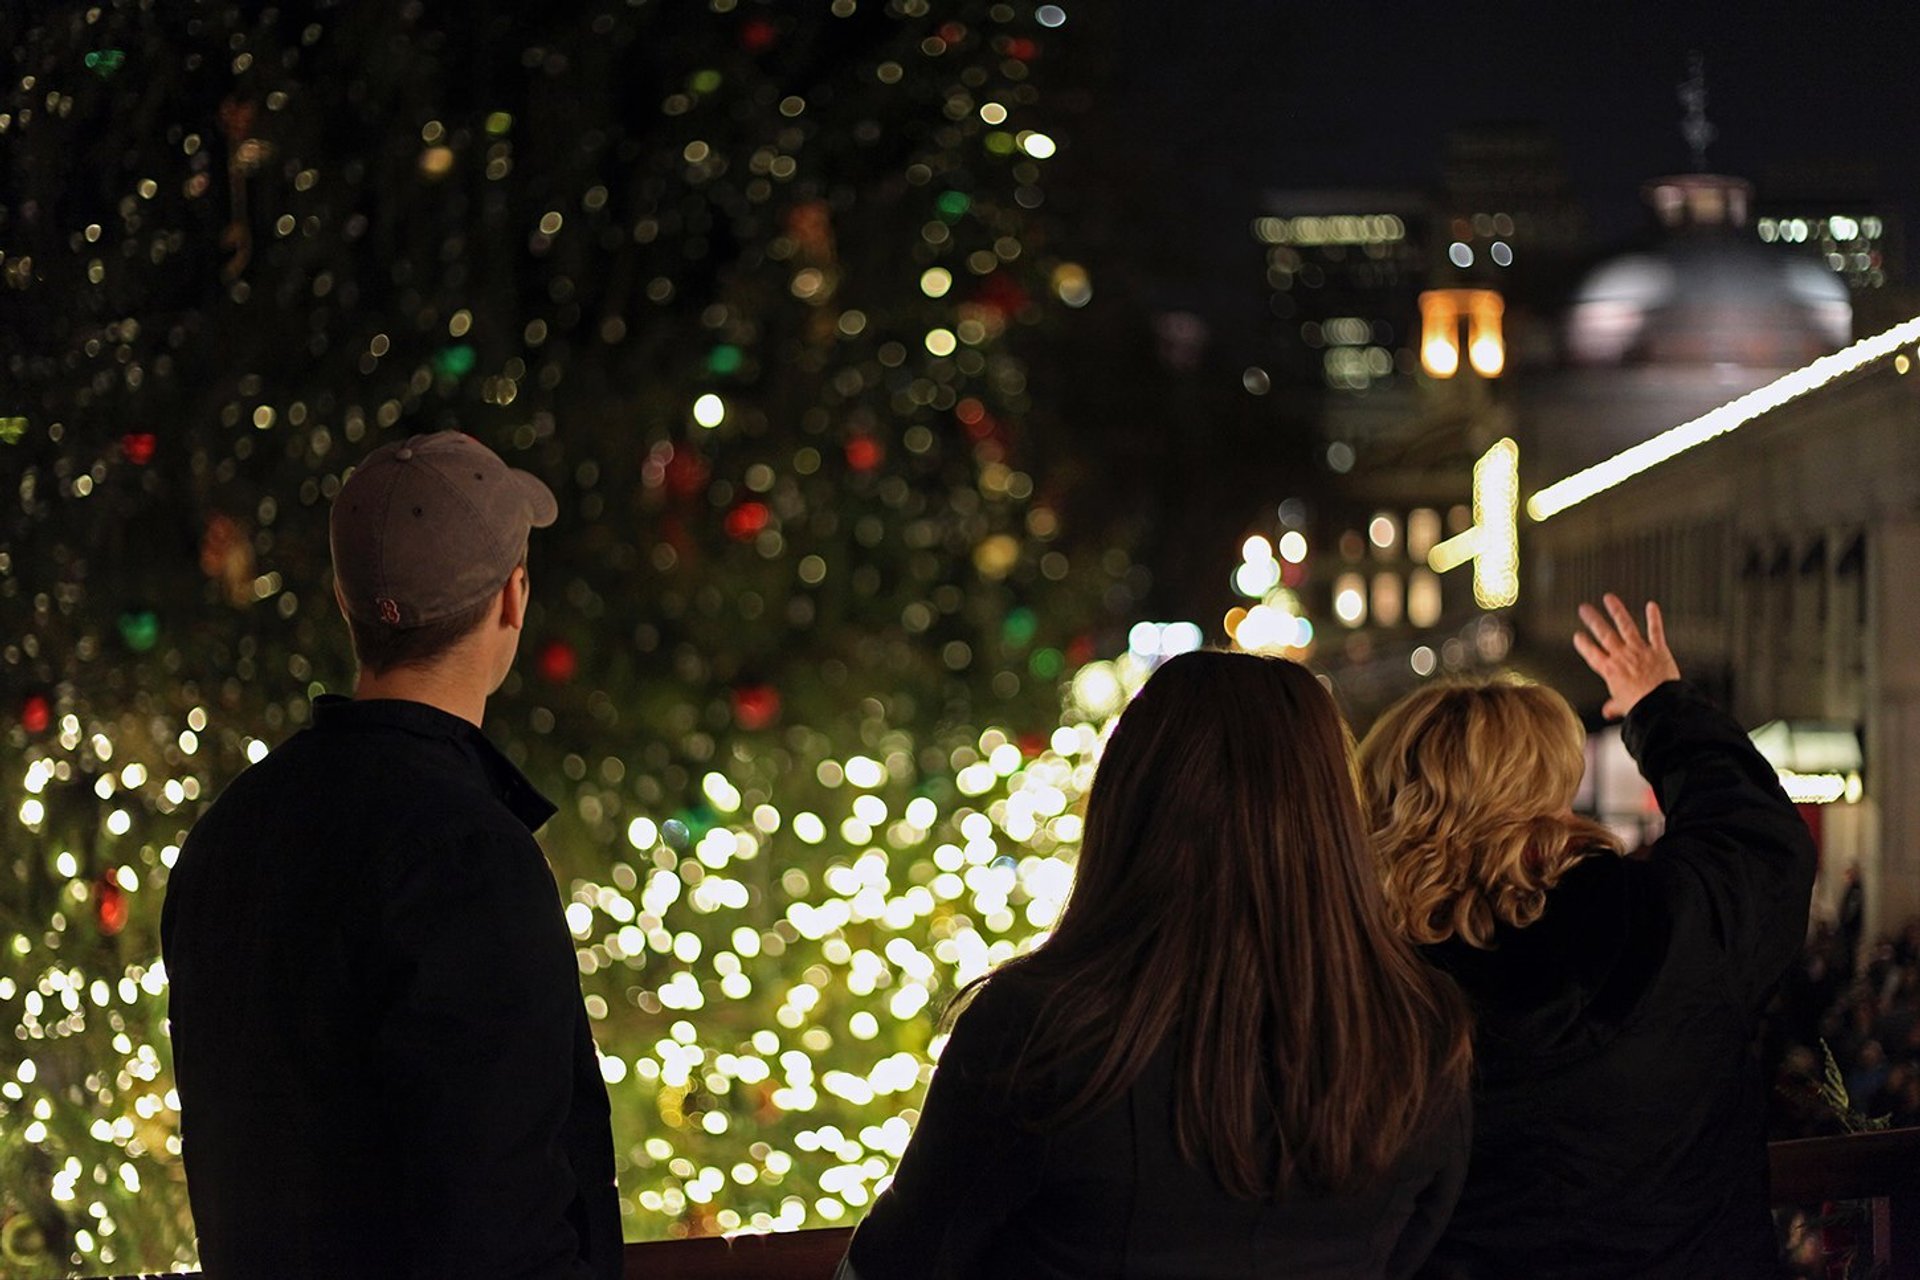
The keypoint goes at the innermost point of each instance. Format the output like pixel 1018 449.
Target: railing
pixel 785 1255
pixel 1881 1168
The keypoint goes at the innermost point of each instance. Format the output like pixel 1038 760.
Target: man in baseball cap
pixel 384 1064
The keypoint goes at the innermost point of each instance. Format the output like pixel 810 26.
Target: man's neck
pixel 452 692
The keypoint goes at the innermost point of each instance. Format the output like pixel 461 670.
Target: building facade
pixel 1785 552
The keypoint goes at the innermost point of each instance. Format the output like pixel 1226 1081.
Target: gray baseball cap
pixel 427 528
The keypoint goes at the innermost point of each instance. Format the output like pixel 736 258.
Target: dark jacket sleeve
pixel 1735 851
pixel 1433 1205
pixel 476 1051
pixel 968 1166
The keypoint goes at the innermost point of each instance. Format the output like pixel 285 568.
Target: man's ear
pixel 513 600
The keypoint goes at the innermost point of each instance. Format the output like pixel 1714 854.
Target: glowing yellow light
pixel 642 834
pixel 1813 788
pixel 1255 578
pixel 1496 512
pixel 1098 690
pixel 1454 552
pixel 1487 356
pixel 1439 333
pixel 1072 285
pixel 1037 145
pixel 709 410
pixel 722 793
pixel 1350 599
pixel 1293 546
pixel 941 342
pixel 935 281
pixel 1265 629
pixel 1486 348
pixel 1600 477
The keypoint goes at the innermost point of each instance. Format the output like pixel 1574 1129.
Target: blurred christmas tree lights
pixel 746 284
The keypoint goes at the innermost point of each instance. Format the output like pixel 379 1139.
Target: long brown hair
pixel 1469 790
pixel 1226 902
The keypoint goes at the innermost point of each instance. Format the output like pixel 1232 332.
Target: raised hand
pixel 1632 667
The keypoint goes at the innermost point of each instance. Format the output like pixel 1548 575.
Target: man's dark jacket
pixel 1619 1121
pixel 384 1064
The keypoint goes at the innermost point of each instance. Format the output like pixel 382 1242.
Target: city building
pixel 1781 532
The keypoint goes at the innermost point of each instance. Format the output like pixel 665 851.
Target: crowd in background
pixel 1863 1002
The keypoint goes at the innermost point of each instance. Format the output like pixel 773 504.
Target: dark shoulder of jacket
pixel 1592 950
pixel 994 1020
pixel 413 800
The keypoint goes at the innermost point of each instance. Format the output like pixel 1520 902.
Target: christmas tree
pixel 747 285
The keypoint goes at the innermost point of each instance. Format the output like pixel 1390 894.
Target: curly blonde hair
pixel 1469 792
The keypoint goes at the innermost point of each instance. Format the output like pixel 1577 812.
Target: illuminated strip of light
pixel 1454 552
pixel 1600 477
pixel 1812 788
pixel 1496 512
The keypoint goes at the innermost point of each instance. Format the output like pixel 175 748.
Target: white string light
pixel 1600 477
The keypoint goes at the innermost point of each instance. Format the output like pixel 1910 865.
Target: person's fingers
pixel 1656 626
pixel 1622 618
pixel 1603 632
pixel 1595 656
pixel 1611 709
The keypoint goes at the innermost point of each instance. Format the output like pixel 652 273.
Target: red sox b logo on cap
pixel 389 611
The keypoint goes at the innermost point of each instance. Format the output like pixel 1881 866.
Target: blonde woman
pixel 1619 1111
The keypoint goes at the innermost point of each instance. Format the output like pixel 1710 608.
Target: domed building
pixel 1708 293
pixel 1660 333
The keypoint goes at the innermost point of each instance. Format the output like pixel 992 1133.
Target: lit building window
pixel 1441 311
pixel 1423 530
pixel 1350 599
pixel 1368 228
pixel 1486 347
pixel 1388 594
pixel 1423 598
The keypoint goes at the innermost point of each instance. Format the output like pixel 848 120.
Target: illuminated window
pixel 1423 530
pixel 1423 598
pixel 1350 599
pixel 1388 594
pixel 1441 311
pixel 1383 531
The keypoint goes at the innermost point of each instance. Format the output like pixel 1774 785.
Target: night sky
pixel 1240 96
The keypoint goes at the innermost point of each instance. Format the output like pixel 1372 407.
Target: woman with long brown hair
pixel 1618 1114
pixel 1223 1061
